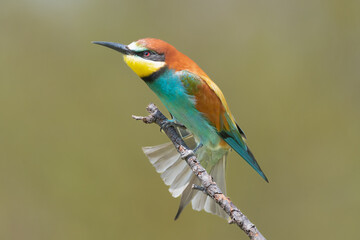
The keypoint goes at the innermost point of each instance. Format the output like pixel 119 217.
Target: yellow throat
pixel 142 67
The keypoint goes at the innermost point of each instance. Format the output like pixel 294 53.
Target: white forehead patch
pixel 135 47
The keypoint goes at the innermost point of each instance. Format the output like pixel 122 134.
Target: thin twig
pixel 209 187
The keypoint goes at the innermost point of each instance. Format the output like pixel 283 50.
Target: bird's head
pixel 149 55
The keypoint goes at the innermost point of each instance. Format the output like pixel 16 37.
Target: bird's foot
pixel 169 123
pixel 197 147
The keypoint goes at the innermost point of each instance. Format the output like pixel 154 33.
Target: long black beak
pixel 116 46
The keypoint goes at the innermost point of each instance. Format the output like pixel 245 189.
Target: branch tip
pixel 137 117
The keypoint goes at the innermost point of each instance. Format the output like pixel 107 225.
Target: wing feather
pixel 210 101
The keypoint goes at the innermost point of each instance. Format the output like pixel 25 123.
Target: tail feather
pixel 162 156
pixel 210 205
pixel 171 173
pixel 166 160
pixel 199 200
pixel 176 174
pixel 187 195
pixel 202 201
pixel 181 181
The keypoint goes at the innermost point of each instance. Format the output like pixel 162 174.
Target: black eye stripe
pixel 153 56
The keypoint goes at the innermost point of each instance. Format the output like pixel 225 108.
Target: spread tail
pixel 177 174
pixel 201 201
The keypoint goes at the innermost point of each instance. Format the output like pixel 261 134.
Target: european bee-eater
pixel 197 103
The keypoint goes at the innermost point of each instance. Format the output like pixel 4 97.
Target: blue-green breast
pixel 176 98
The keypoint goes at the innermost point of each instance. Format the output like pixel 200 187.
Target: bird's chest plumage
pixel 172 93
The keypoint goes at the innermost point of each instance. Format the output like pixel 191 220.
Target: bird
pixel 195 102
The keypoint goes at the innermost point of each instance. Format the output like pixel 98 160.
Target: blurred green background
pixel 71 165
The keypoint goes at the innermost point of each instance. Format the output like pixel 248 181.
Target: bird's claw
pixel 169 123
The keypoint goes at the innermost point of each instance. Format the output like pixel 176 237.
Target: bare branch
pixel 209 187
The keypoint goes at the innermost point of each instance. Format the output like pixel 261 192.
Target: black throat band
pixel 152 77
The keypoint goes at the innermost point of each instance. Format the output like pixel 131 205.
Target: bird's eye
pixel 146 54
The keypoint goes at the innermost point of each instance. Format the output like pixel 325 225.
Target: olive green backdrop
pixel 71 165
